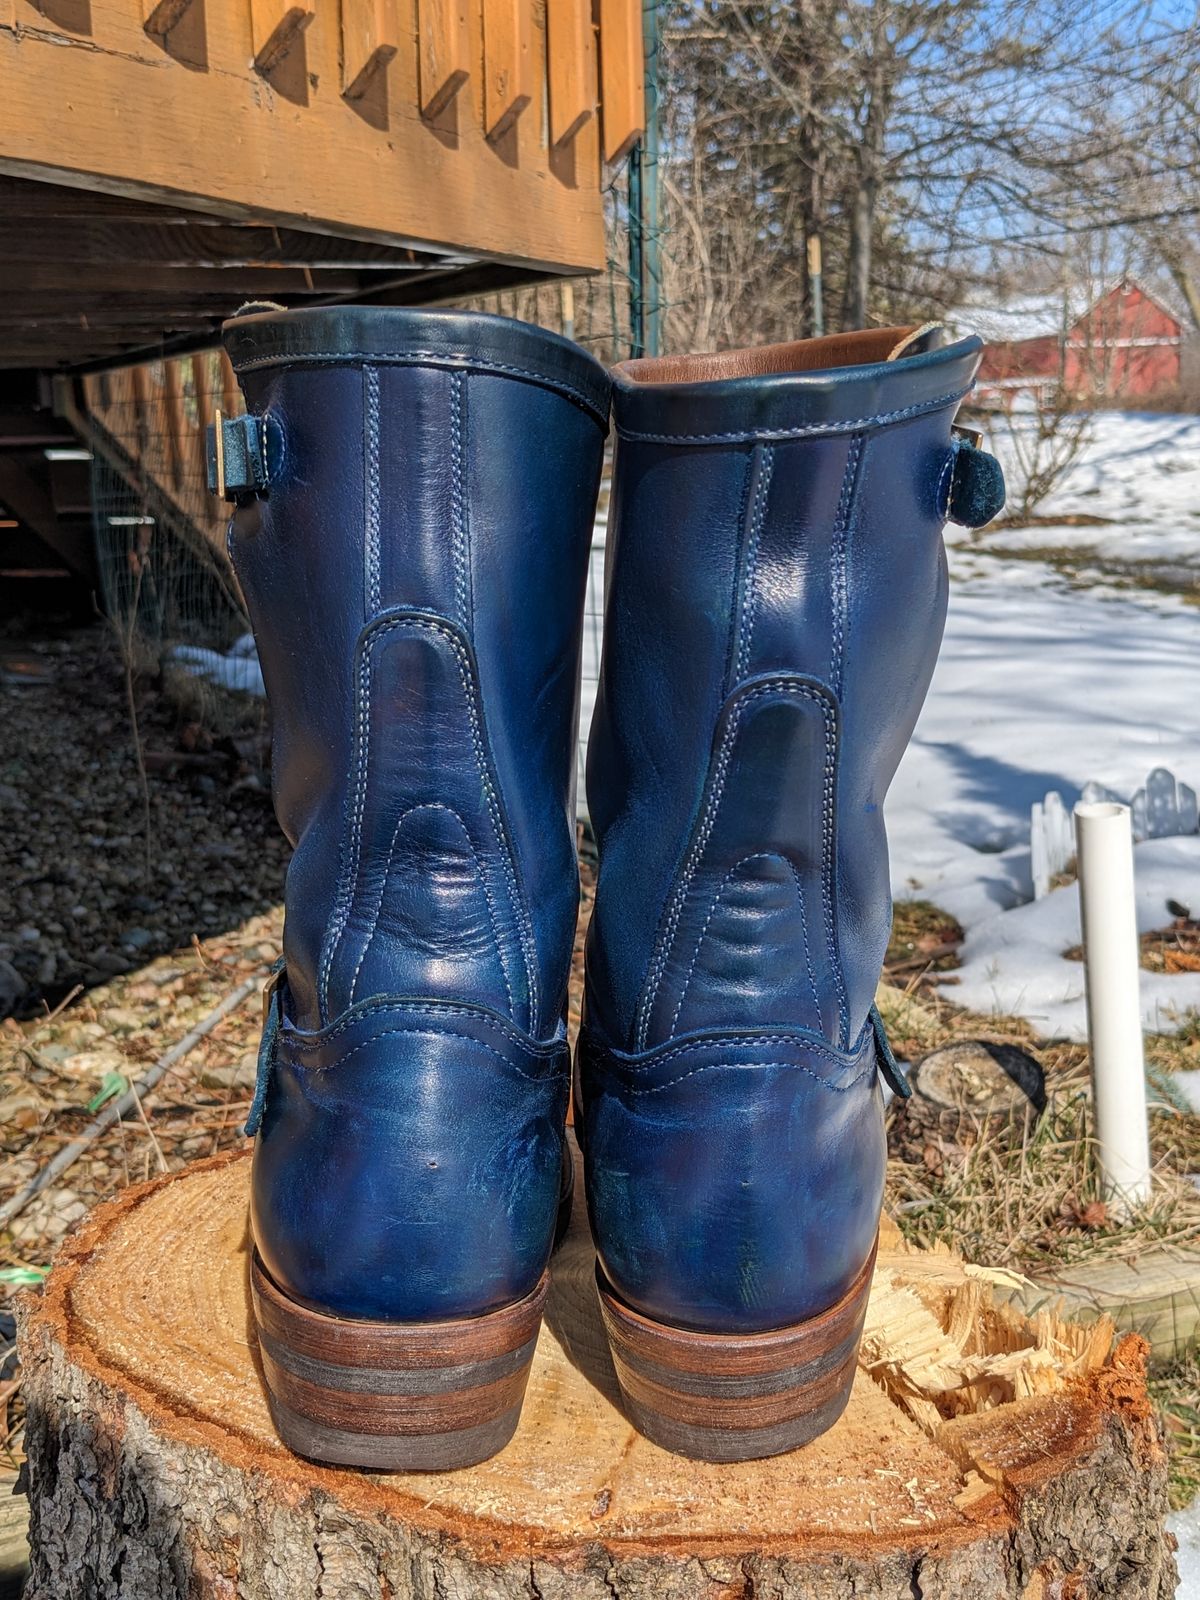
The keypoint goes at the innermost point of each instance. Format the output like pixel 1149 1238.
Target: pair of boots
pixel 415 495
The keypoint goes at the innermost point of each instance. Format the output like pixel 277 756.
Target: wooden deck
pixel 162 160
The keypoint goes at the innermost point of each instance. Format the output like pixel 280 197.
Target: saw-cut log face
pixel 140 1356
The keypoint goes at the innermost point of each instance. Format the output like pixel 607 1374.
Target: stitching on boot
pixel 743 511
pixel 433 805
pixel 371 477
pixel 758 855
pixel 838 581
pixel 762 490
pixel 461 533
pixel 353 862
pixel 437 358
pixel 840 597
pixel 810 1044
pixel 348 878
pixel 814 430
pixel 779 1066
pixel 945 480
pixel 431 1033
pixel 708 821
pixel 442 1008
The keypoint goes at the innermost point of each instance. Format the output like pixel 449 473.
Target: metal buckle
pixel 219 439
pixel 959 430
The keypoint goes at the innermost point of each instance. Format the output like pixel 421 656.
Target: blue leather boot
pixel 776 593
pixel 415 495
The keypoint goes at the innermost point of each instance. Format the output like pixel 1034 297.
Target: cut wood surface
pixel 1155 1293
pixel 14 1541
pixel 982 1456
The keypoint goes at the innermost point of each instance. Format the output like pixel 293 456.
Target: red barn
pixel 1124 345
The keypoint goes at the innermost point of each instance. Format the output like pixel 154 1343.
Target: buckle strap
pixel 889 1067
pixel 272 1022
pixel 241 454
pixel 976 481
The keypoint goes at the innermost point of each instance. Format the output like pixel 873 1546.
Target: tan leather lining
pixel 802 355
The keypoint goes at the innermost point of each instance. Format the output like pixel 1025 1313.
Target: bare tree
pixel 923 142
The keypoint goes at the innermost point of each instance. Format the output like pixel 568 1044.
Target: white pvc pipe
pixel 1104 852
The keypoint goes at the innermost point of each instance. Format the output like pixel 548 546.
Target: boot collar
pixel 847 383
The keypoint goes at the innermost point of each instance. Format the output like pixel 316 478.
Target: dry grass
pixel 1032 1202
pixel 1175 948
pixel 1029 1197
pixel 1176 1391
pixel 924 939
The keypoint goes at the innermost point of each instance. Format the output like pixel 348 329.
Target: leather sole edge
pixel 398 1397
pixel 736 1397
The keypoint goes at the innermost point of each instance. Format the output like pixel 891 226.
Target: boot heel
pixel 736 1397
pixel 401 1397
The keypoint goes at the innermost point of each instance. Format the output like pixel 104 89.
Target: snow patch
pixel 1014 965
pixel 238 668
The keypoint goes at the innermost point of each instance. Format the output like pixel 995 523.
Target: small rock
pixel 12 987
pixel 28 935
pixel 94 1063
pixel 237 1075
pixel 104 961
pixel 137 938
pixel 120 1020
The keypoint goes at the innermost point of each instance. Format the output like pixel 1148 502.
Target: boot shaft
pixel 417 492
pixel 415 579
pixel 777 590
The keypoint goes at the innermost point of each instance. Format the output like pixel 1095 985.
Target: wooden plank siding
pixel 508 64
pixel 403 122
pixel 622 75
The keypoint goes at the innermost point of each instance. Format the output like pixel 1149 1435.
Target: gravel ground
pixel 114 944
pixel 87 893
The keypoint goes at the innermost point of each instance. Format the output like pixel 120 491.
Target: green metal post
pixel 815 287
pixel 645 223
pixel 652 278
pixel 637 317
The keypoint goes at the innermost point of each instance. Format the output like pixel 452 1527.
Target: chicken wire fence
pixel 158 583
pixel 166 583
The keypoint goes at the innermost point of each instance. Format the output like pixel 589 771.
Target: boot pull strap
pixel 889 1067
pixel 242 454
pixel 272 1022
pixel 976 492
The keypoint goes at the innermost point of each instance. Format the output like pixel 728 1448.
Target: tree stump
pixel 982 1455
pixel 963 1092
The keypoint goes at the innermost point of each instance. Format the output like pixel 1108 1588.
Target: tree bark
pixel 869 157
pixel 982 1457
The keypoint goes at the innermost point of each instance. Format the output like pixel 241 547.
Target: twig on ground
pixel 141 1111
pixel 129 1101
